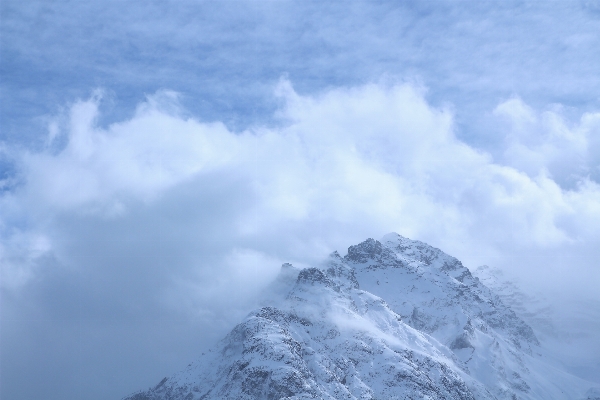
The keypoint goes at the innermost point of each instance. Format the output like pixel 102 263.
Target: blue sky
pixel 225 57
pixel 159 156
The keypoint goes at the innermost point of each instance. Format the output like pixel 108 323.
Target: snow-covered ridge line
pixel 394 318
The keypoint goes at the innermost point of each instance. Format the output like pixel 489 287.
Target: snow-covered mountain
pixel 393 319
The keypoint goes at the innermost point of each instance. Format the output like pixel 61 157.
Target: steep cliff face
pixel 393 319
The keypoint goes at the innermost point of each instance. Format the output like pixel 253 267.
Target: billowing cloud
pixel 163 218
pixel 546 143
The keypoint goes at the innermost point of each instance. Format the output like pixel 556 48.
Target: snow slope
pixel 566 327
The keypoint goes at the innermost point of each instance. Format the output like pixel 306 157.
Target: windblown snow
pixel 393 319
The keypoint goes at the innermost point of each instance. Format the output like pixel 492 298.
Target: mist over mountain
pixel 160 160
pixel 567 329
pixel 392 319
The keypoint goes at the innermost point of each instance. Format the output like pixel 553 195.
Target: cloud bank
pixel 162 223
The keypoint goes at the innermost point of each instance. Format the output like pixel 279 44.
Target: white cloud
pixel 543 142
pixel 166 215
pixel 141 157
pixel 343 165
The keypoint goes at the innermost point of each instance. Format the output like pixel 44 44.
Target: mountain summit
pixel 393 319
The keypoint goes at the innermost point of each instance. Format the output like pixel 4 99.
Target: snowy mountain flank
pixel 393 319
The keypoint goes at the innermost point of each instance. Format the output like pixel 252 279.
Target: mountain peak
pixel 394 318
pixel 360 253
pixel 314 276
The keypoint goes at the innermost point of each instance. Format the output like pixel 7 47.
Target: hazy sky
pixel 160 160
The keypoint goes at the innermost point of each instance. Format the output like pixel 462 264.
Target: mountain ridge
pixel 394 318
